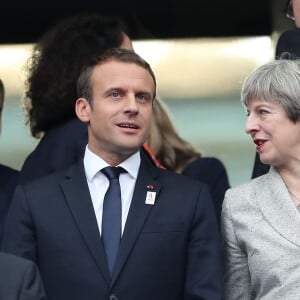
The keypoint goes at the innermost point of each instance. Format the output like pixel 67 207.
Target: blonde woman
pixel 178 155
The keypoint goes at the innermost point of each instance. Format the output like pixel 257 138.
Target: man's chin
pixel 129 150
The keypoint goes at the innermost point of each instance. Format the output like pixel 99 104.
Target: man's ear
pixel 82 109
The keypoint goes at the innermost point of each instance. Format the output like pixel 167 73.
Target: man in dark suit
pixel 168 245
pixel 19 279
pixel 8 176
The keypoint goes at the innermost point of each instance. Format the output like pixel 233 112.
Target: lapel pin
pixel 150 198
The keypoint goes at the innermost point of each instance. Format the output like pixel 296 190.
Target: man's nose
pixel 131 104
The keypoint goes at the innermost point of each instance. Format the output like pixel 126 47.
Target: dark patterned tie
pixel 112 215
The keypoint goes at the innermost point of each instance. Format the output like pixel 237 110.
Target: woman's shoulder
pixel 246 192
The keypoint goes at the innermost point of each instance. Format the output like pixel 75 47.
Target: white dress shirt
pixel 98 183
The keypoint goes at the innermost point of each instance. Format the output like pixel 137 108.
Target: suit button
pixel 113 297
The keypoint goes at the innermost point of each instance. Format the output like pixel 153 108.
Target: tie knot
pixel 112 172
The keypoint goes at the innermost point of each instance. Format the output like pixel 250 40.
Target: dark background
pixel 25 21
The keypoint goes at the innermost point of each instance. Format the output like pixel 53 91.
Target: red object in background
pixel 152 156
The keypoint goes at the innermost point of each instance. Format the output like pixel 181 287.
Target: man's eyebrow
pixel 119 89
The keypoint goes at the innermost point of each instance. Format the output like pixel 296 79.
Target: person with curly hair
pixel 50 91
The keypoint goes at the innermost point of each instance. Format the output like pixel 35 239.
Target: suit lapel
pixel 77 195
pixel 138 212
pixel 278 208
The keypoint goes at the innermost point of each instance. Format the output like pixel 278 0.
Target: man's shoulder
pixel 179 181
pixel 171 178
pixel 57 176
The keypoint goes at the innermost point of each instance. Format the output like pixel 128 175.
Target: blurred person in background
pixel 292 11
pixel 178 155
pixel 50 92
pixel 8 176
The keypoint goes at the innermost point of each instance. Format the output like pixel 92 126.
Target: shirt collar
pixel 93 164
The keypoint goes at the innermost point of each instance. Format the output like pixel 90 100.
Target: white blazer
pixel 261 237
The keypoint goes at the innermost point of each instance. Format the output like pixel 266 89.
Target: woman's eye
pixel 262 111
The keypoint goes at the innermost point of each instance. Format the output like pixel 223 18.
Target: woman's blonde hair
pixel 170 149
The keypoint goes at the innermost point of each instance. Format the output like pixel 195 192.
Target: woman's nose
pixel 252 124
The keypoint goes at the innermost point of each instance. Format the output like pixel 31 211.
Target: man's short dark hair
pixel 118 54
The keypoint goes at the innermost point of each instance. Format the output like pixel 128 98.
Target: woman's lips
pixel 259 144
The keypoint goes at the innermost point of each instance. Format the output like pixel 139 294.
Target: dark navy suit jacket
pixel 169 250
pixel 63 145
pixel 19 279
pixel 211 171
pixel 8 182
